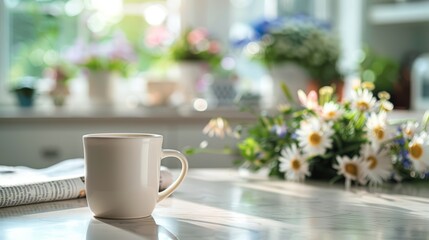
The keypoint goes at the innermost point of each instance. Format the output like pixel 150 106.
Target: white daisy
pixel 363 99
pixel 293 164
pixel 418 152
pixel 377 129
pixel 409 129
pixel 331 111
pixel 385 105
pixel 353 169
pixel 218 127
pixel 378 163
pixel 314 136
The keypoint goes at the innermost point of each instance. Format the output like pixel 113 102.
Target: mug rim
pixel 122 135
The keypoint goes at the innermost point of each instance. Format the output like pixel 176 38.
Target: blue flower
pixel 294 136
pixel 280 130
pixel 265 26
pixel 400 141
pixel 406 163
pixel 405 160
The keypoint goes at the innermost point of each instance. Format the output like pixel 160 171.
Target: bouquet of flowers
pixel 112 54
pixel 196 45
pixel 324 138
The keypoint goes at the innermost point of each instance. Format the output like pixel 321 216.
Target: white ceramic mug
pixel 122 173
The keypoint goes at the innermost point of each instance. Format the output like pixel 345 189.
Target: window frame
pixel 4 49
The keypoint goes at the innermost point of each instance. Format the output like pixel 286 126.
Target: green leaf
pixel 425 121
pixel 287 93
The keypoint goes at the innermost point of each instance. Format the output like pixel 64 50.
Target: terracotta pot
pixel 159 92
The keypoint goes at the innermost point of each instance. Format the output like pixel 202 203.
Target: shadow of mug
pixel 143 228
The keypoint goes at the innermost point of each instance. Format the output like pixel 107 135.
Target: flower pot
pixel 25 96
pixel 59 94
pixel 189 79
pixel 101 87
pixel 159 92
pixel 294 76
pixel 224 92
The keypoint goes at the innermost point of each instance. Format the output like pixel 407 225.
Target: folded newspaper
pixel 65 180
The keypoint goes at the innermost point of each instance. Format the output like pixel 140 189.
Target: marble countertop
pixel 218 204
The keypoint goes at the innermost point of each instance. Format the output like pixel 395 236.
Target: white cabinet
pixel 40 141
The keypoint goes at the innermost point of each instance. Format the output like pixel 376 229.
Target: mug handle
pixel 173 153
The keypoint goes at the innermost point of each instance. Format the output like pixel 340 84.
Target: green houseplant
pixel 298 51
pixel 195 45
pixel 301 40
pixel 382 71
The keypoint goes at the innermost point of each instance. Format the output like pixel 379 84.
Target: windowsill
pixel 153 114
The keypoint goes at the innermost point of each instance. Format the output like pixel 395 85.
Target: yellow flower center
pixel 368 85
pixel 351 169
pixel 295 164
pixel 379 132
pixel 384 95
pixel 326 90
pixel 416 150
pixel 314 139
pixel 362 105
pixel 372 162
pixel 331 114
pixel 408 132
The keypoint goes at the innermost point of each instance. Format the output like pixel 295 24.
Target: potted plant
pixel 25 91
pixel 382 71
pixel 61 73
pixel 194 52
pixel 102 60
pixel 296 51
pixel 159 86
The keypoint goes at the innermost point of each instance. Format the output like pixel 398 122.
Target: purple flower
pixel 77 54
pixel 116 48
pixel 280 130
pixel 120 48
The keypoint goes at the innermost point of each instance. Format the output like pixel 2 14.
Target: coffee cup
pixel 122 173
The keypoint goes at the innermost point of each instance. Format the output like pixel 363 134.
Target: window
pixel 35 34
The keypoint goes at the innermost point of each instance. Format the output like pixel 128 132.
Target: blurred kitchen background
pixel 70 67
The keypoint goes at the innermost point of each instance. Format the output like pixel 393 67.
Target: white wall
pixel 212 15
